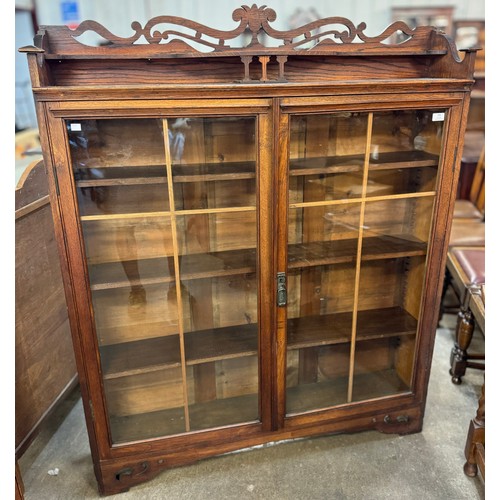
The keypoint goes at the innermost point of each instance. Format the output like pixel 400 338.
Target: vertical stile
pixel 358 257
pixel 281 249
pixel 264 267
pixel 175 247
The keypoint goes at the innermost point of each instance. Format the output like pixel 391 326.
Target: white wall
pixel 25 107
pixel 117 15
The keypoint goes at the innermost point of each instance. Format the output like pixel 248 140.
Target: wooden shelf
pixel 156 174
pixel 192 266
pixel 307 397
pixel 152 354
pixel 319 253
pixel 216 413
pixel 221 343
pixel 227 171
pixel 115 175
pixel 119 334
pixel 112 274
pixel 132 358
pixel 243 261
pixel 377 385
pixel 147 425
pixel 403 159
pixel 392 247
pixel 329 329
pixel 326 165
pixel 123 176
pixel 354 163
pixel 221 412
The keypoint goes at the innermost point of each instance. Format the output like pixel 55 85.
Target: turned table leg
pixel 475 439
pixel 463 338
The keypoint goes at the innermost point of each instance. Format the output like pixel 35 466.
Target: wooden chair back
pixel 477 191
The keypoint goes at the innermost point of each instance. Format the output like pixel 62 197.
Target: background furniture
pixel 471 33
pixel 468 230
pixel 440 16
pixel 475 446
pixel 252 239
pixel 44 361
pixel 466 266
pixel 472 208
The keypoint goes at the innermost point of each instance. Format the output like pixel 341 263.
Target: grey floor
pixel 366 465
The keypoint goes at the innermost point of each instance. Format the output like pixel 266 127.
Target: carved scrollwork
pixel 253 21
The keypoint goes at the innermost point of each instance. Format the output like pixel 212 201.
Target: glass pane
pixel 397 226
pixel 321 275
pixel 214 167
pixel 394 252
pixel 404 151
pixel 213 162
pixel 173 283
pixel 387 325
pixel 356 263
pixel 118 166
pixel 326 156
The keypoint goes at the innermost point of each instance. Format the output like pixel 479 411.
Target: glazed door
pixel 361 194
pixel 169 212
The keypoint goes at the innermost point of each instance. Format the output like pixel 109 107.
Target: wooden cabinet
pixel 45 371
pixel 253 238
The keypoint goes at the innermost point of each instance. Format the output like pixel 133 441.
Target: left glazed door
pixel 168 209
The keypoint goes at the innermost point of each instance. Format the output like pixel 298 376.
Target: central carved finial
pixel 255 18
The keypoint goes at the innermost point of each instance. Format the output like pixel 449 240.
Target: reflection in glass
pixel 404 151
pixel 168 214
pixel 361 195
pixel 214 168
pixel 326 156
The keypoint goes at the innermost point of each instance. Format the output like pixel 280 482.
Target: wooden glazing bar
pixel 175 243
pixel 135 215
pixel 162 214
pixel 215 210
pixel 361 199
pixel 358 257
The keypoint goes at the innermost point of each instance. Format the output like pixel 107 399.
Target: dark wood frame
pixel 71 80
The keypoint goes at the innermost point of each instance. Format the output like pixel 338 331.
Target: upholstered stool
pixel 464 233
pixel 467 268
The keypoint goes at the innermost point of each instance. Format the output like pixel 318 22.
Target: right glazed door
pixel 361 194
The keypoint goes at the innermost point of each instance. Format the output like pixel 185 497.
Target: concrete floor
pixel 366 465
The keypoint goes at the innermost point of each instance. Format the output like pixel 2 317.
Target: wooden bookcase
pixel 252 238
